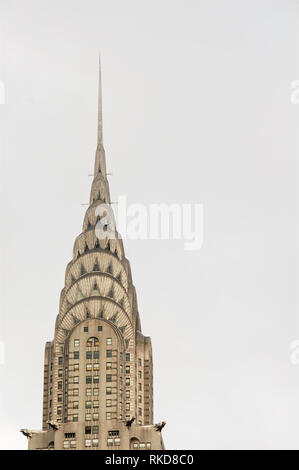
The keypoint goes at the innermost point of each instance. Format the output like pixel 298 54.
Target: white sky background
pixel 196 98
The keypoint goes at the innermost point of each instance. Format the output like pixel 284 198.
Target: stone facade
pixel 98 370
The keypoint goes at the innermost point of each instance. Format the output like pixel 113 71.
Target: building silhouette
pixel 98 370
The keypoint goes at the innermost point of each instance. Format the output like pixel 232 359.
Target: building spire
pixel 100 115
pixel 100 184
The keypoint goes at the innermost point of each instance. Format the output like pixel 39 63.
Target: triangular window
pixel 109 269
pixel 96 266
pixel 110 293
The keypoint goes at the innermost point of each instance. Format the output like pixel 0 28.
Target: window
pixel 87 429
pixel 60 361
pixel 88 391
pixel 100 328
pixel 127 369
pixel 93 341
pixel 96 403
pixel 96 354
pixel 75 404
pixel 85 329
pixel 139 374
pixel 108 340
pixel 88 379
pixel 88 354
pixel 76 367
pixel 95 429
pixel 127 406
pixel 95 442
pixel 148 445
pixel 139 411
pixel 88 404
pixel 66 444
pixel 117 441
pixel 109 353
pixel 128 381
pixel 96 366
pixel 139 398
pixel 88 417
pixel 96 391
pixel 139 362
pixel 108 416
pixel 75 418
pixel 113 433
pixel 76 379
pixel 109 442
pixel 69 435
pixel 88 366
pixel 108 378
pixel 108 391
pixel 96 379
pixel 59 410
pixel 108 403
pixel 59 398
pixel 127 393
pixel 108 365
pixel 87 442
pixel 128 357
pixel 76 354
pixel 139 387
pixel 73 444
pixel 75 392
pixel 59 385
pixel 76 343
pixel 95 416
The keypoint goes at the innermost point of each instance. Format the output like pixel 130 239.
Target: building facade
pixel 98 370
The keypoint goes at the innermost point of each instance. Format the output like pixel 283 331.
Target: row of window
pixel 91 442
pixel 77 343
pixel 141 445
pixel 108 246
pixel 96 380
pixel 92 429
pixel 94 416
pixel 113 442
pixel 96 366
pixel 93 404
pixel 96 354
pixel 71 443
pixel 89 391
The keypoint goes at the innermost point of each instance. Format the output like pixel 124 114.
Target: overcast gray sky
pixel 196 102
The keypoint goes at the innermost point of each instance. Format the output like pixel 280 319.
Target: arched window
pixel 91 342
pixel 134 443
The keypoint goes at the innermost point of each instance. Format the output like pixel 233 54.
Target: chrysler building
pixel 98 370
